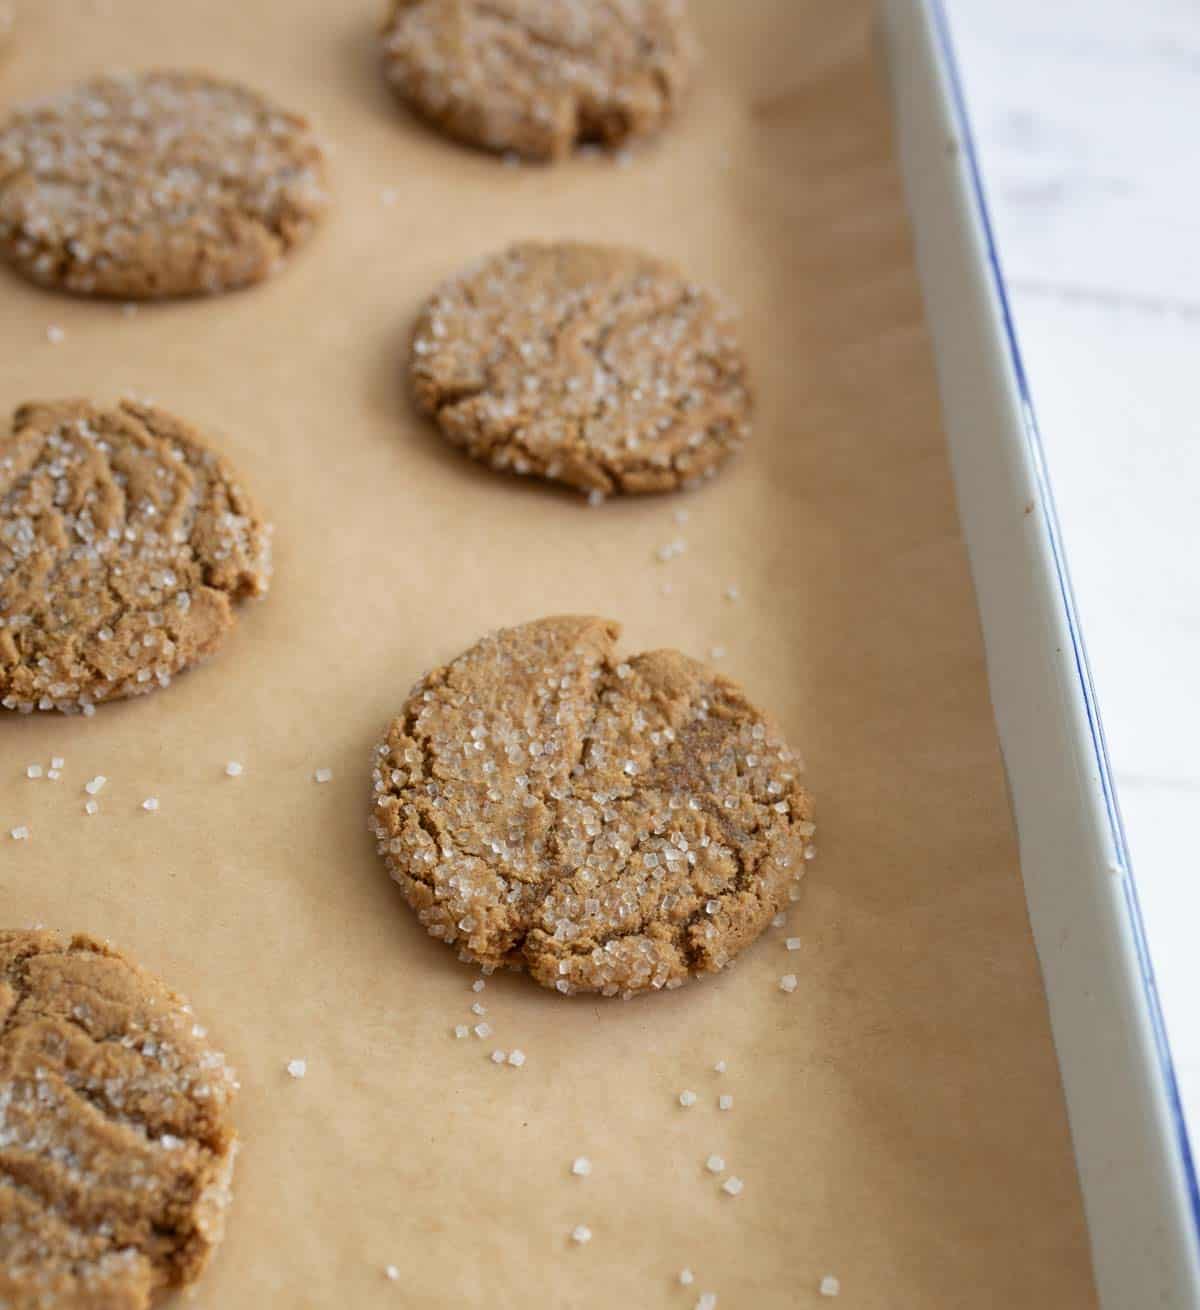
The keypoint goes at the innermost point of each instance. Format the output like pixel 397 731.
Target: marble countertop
pixel 1084 112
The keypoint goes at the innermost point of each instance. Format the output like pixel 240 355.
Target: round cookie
pixel 145 185
pixel 116 1141
pixel 538 77
pixel 124 544
pixel 609 825
pixel 594 366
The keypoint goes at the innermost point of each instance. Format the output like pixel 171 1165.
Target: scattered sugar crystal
pixel 725 1102
pixel 581 1233
pixel 478 985
pixel 779 920
pixel 483 1030
pixel 322 775
pixel 686 1277
pixel 478 1008
pixel 681 516
pixel 91 808
pixel 53 774
pixel 732 593
pixel 498 1057
pixel 389 195
pixel 33 771
pixel 717 653
pixel 461 1030
pixel 129 310
pixel 95 784
pixel 720 1066
pixel 391 1273
pixel 55 335
pixel 732 1185
pixel 516 1058
pixel 707 1301
pixel 20 833
pixel 297 1068
pixel 150 803
pixel 810 852
pixel 792 943
pixel 687 1098
pixel 581 1166
pixel 829 1286
pixel 595 497
pixel 57 762
pixel 671 550
pixel 715 1164
pixel 233 769
pixel 787 983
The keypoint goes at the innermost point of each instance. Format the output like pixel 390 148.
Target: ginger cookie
pixel 116 1141
pixel 124 545
pixel 537 77
pixel 611 825
pixel 145 185
pixel 594 366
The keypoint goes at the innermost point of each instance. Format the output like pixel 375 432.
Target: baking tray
pixel 898 1121
pixel 1131 1140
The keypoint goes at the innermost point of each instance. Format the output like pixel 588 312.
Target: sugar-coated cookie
pixel 595 366
pixel 609 824
pixel 146 185
pixel 537 77
pixel 125 543
pixel 116 1137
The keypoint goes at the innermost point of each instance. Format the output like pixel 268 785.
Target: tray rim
pixel 924 26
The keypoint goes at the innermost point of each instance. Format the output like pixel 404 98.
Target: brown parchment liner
pixel 898 1121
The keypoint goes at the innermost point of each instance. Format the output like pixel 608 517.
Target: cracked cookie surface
pixel 125 543
pixel 538 77
pixel 116 1142
pixel 595 366
pixel 146 185
pixel 609 825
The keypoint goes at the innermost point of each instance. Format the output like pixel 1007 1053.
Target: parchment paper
pixel 898 1120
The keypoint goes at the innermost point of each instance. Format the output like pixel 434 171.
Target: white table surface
pixel 1085 113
